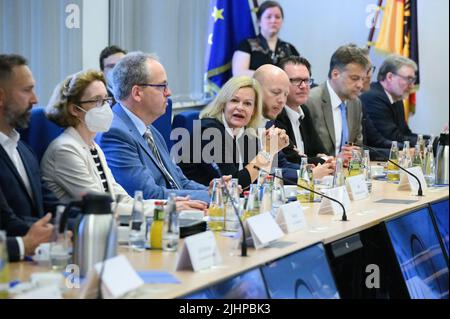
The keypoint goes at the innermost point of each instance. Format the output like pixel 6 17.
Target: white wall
pixel 432 97
pixel 317 28
pixel 95 27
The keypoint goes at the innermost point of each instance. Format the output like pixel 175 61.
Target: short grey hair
pixel 393 63
pixel 130 71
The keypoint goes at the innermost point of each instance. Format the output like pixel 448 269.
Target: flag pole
pixel 374 23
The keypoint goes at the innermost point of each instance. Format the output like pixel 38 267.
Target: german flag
pixel 398 34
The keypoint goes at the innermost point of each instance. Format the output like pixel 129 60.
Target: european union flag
pixel 231 23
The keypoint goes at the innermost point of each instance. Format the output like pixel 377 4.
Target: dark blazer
pixel 226 155
pixel 133 163
pixel 26 208
pixel 13 227
pixel 312 143
pixel 289 168
pixel 373 138
pixel 389 119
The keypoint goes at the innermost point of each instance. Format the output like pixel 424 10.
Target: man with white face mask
pixel 73 163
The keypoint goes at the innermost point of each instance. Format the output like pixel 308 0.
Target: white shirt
pixel 391 99
pixel 337 119
pixel 9 144
pixel 230 132
pixel 294 117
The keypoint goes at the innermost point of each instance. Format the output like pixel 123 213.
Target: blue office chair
pixel 164 124
pixel 41 132
pixel 185 120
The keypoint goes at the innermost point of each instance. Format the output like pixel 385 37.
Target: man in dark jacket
pixel 22 239
pixel 383 103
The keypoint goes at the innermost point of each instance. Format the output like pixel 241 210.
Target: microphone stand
pixel 236 211
pixel 344 214
pixel 419 191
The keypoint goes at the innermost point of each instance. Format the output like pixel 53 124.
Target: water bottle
pixel 266 199
pixel 366 170
pixel 339 176
pixel 421 144
pixel 171 228
pixel 252 206
pixel 216 209
pixel 137 223
pixel 231 220
pixel 278 195
pixel 428 166
pixel 392 170
pixel 305 179
pixel 417 159
pixel 406 160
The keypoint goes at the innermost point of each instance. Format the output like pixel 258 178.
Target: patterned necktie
pixel 344 135
pixel 151 142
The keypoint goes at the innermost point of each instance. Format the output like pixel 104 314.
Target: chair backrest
pixel 40 132
pixel 185 120
pixel 164 124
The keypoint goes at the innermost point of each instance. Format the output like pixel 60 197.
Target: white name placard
pixel 407 182
pixel 330 207
pixel 199 252
pixel 357 187
pixel 291 217
pixel 263 229
pixel 118 278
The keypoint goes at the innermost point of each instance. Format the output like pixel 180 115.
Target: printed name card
pixel 291 217
pixel 118 278
pixel 330 207
pixel 264 230
pixel 199 252
pixel 407 182
pixel 357 187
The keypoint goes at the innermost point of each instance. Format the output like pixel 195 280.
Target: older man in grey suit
pixel 334 105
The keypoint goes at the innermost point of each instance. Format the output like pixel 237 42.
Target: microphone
pixel 236 211
pixel 419 191
pixel 286 180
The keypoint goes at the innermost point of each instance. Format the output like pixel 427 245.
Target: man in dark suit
pixel 20 176
pixel 334 105
pixel 295 117
pixel 384 101
pixel 275 84
pixel 22 240
pixel 108 59
pixel 135 150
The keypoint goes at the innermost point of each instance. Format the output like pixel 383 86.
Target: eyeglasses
pixel 299 82
pixel 99 101
pixel 409 79
pixel 163 86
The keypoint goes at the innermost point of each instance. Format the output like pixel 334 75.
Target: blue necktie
pixel 344 135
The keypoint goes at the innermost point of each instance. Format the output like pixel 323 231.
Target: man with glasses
pixel 334 105
pixel 384 101
pixel 135 151
pixel 295 118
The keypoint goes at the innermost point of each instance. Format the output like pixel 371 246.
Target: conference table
pixel 363 214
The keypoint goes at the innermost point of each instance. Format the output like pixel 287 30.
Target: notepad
pixel 158 277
